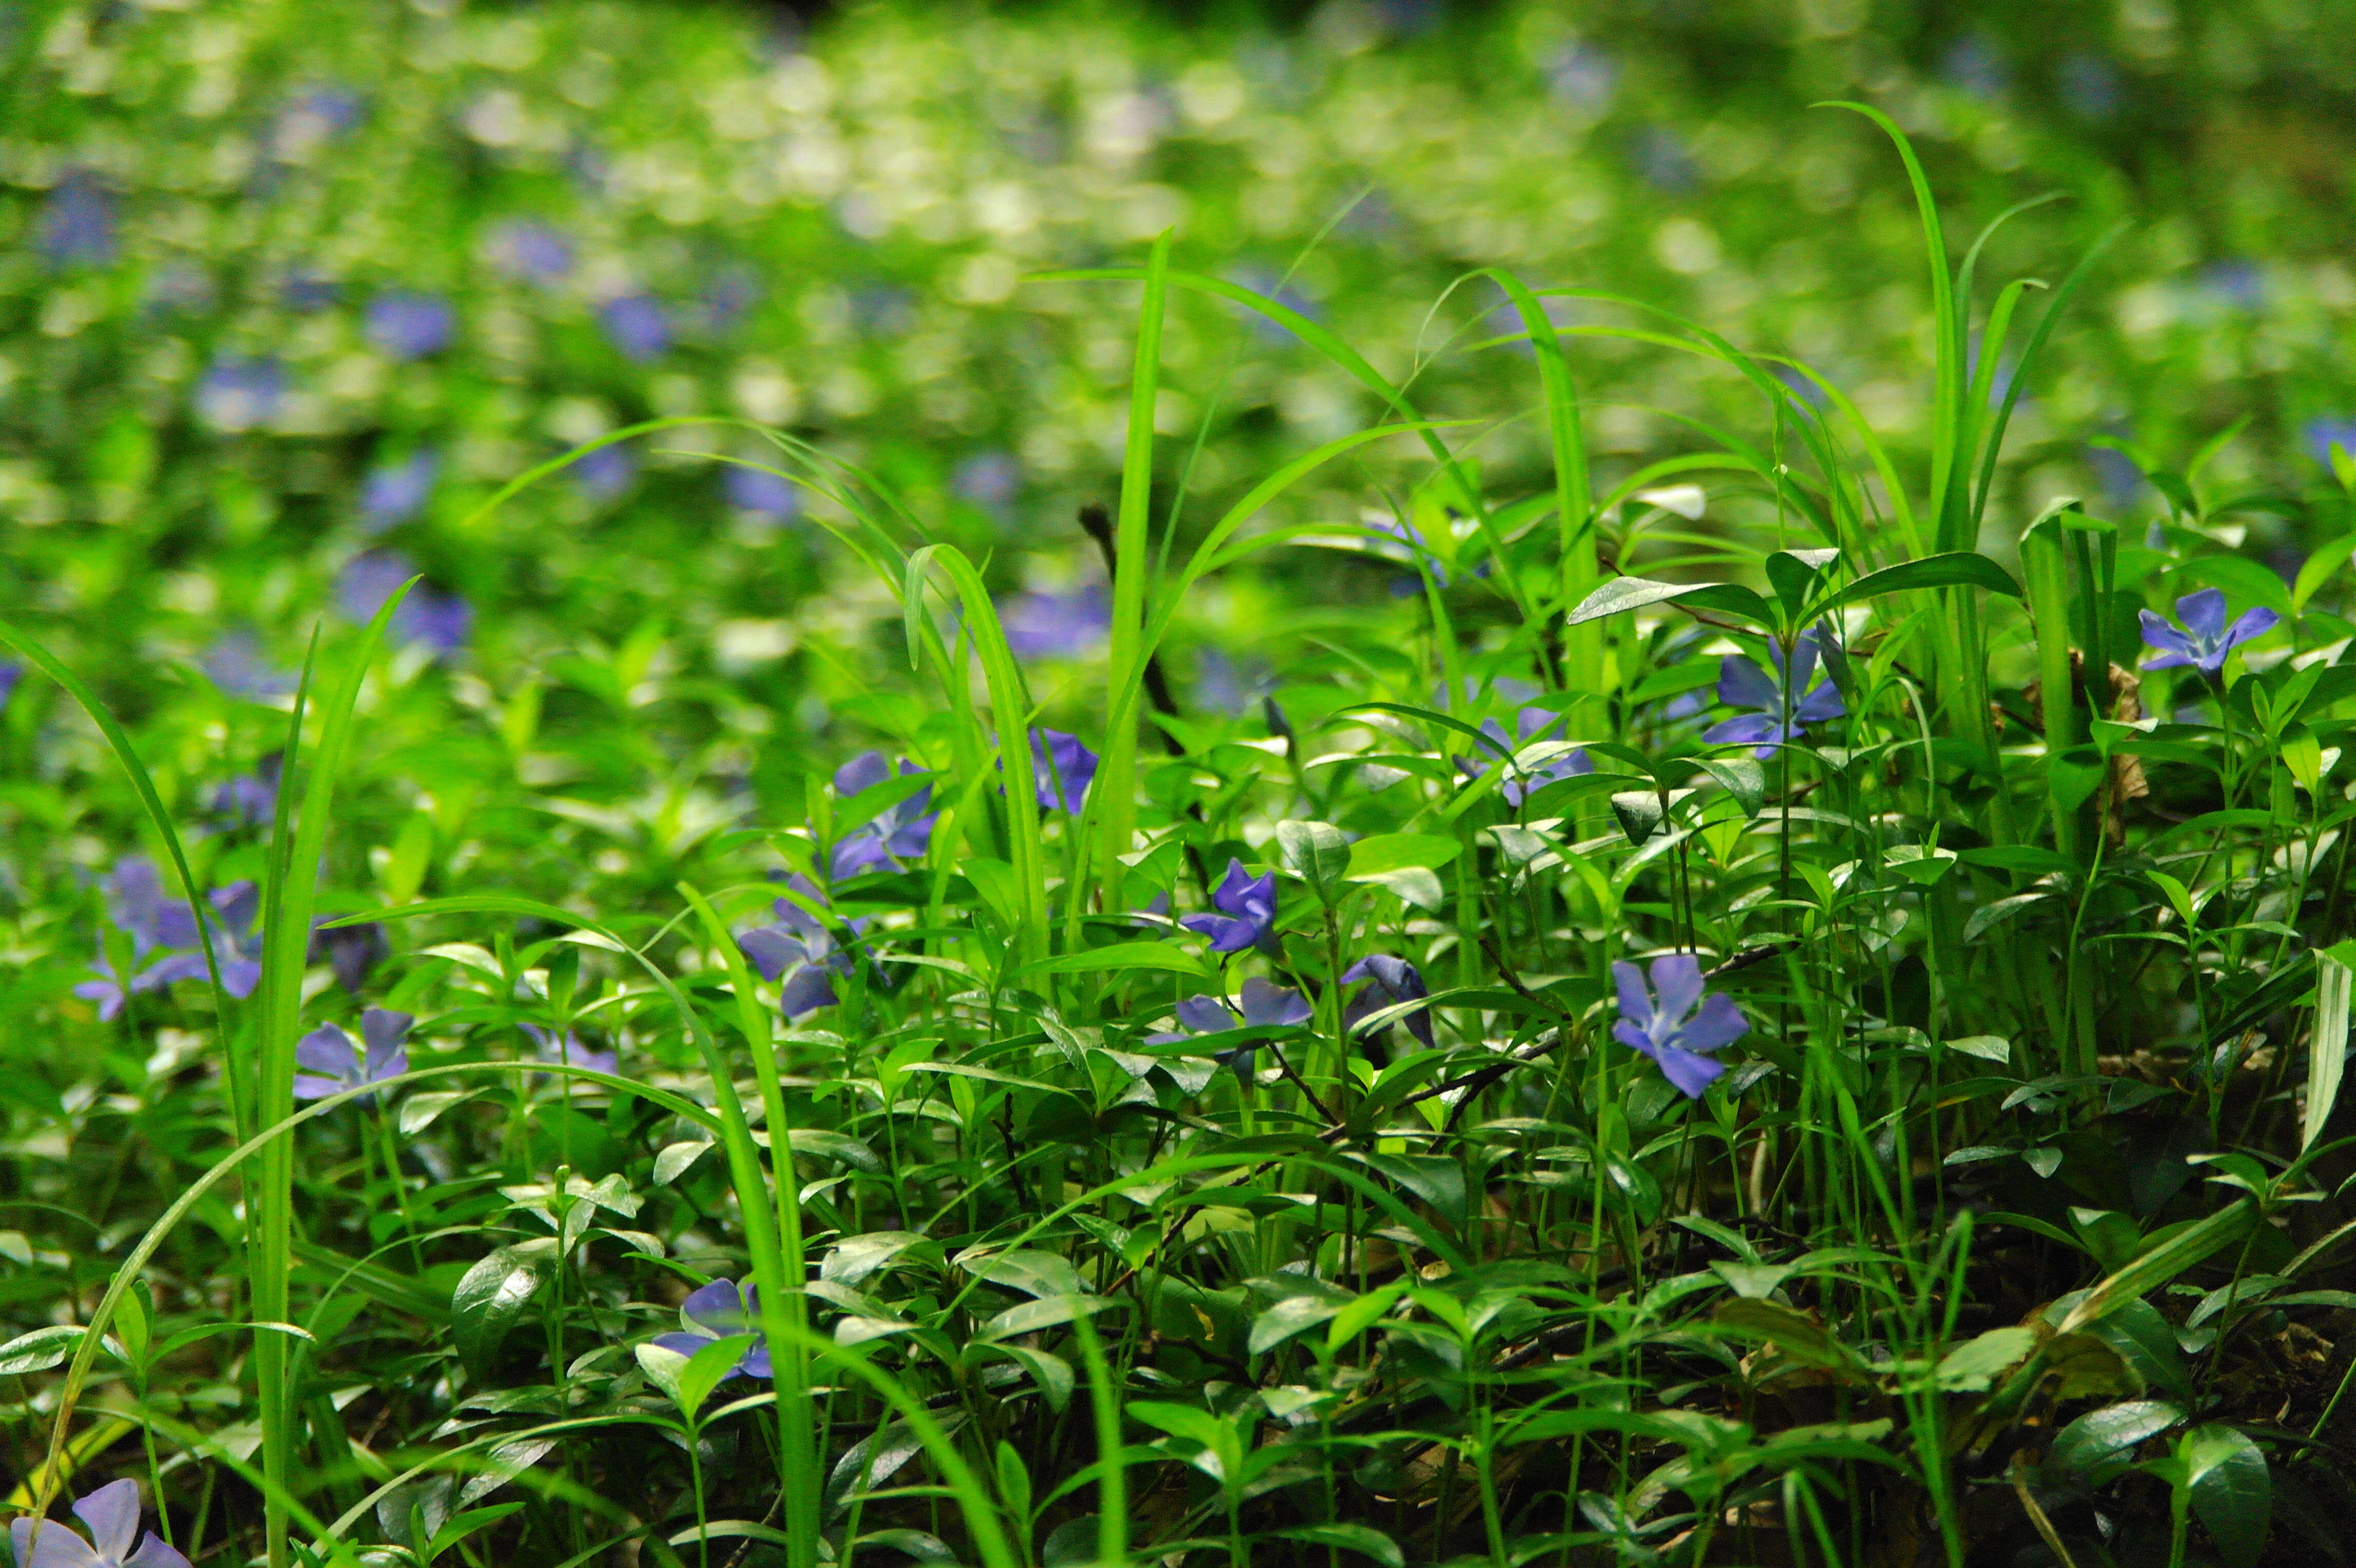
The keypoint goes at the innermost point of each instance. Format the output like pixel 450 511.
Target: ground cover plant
pixel 1779 1000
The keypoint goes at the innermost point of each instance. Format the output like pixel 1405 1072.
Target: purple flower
pixel 2206 640
pixel 306 292
pixel 1247 911
pixel 137 906
pixel 439 620
pixel 1395 981
pixel 761 493
pixel 800 950
pixel 899 831
pixel 718 1311
pixel 405 325
pixel 235 663
pixel 1065 769
pixel 2321 434
pixel 237 393
pixel 351 951
pixel 78 223
pixel 10 673
pixel 529 249
pixel 988 479
pixel 1265 1006
pixel 1742 685
pixel 569 1051
pixel 606 472
pixel 394 492
pixel 1523 782
pixel 1056 625
pixel 636 327
pixel 237 946
pixel 341 1062
pixel 251 799
pixel 112 1513
pixel 732 292
pixel 1670 1030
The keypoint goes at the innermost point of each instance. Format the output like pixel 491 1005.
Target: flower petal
pixel 717 1308
pixel 2203 613
pixel 1742 685
pixel 1716 1025
pixel 1677 983
pixel 1266 1003
pixel 1824 702
pixel 1748 730
pixel 56 1547
pixel 2252 623
pixel 1690 1073
pixel 1635 998
pixel 317 1087
pixel 154 1553
pixel 1206 1015
pixel 867 768
pixel 806 992
pixel 773 950
pixel 112 1514
pixel 327 1049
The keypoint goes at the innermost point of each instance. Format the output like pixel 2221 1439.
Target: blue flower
pixel 2206 640
pixel 1742 685
pixel 439 620
pixel 237 946
pixel 899 831
pixel 1395 981
pixel 78 223
pixel 394 492
pixel 720 1311
pixel 237 665
pixel 800 950
pixel 1056 625
pixel 761 493
pixel 1247 911
pixel 351 951
pixel 405 325
pixel 1064 769
pixel 636 327
pixel 527 248
pixel 111 1512
pixel 10 673
pixel 251 799
pixel 1521 783
pixel 1265 1005
pixel 988 479
pixel 237 393
pixel 338 1062
pixel 1670 1030
pixel 606 472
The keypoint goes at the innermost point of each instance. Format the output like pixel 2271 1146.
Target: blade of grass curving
pixel 1114 814
pixel 234 1070
pixel 289 893
pixel 2029 357
pixel 1947 360
pixel 1010 704
pixel 1971 410
pixel 783 1303
pixel 1112 1478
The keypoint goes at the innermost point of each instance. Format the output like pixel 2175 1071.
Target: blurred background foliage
pixel 289 288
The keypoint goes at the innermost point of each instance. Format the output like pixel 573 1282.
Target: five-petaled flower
pixel 800 950
pixel 1065 769
pixel 1395 981
pixel 139 909
pixel 718 1311
pixel 2206 640
pixel 1247 911
pixel 1522 782
pixel 1742 685
pixel 111 1512
pixel 899 831
pixel 1265 1005
pixel 338 1062
pixel 1661 1022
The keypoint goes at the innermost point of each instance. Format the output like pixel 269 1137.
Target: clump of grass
pixel 1667 1049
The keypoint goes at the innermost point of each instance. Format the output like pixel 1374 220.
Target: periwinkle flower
pixel 307 293
pixel 112 1514
pixel 637 325
pixel 1265 1005
pixel 239 392
pixel 1064 769
pixel 528 249
pixel 237 946
pixel 338 1062
pixel 1395 981
pixel 1673 1021
pixel 1245 915
pixel 988 479
pixel 392 493
pixel 801 951
pixel 10 673
pixel 249 799
pixel 406 325
pixel 898 833
pixel 1056 625
pixel 568 1051
pixel 762 493
pixel 720 1311
pixel 439 620
pixel 2206 640
pixel 78 223
pixel 606 472
pixel 1521 783
pixel 237 665
pixel 1742 685
pixel 351 951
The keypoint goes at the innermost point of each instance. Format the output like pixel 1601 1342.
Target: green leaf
pixel 2074 775
pixel 1623 594
pixel 2099 1447
pixel 1640 813
pixel 1122 957
pixel 1293 1314
pixel 1318 855
pixel 1030 1270
pixel 1751 1282
pixel 461 1525
pixel 1046 1312
pixel 491 1295
pixel 1363 1538
pixel 1972 1365
pixel 2318 567
pixel 1013 1482
pixel 39 1350
pixel 1954 569
pixel 1373 857
pixel 1413 884
pixel 2245 582
pixel 2164 1260
pixel 1740 777
pixel 2233 1492
pixel 2326 1050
